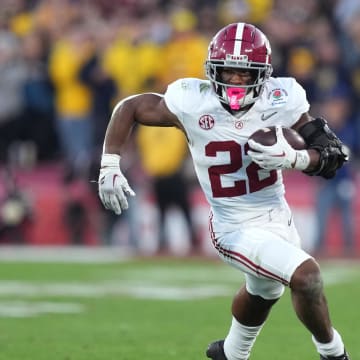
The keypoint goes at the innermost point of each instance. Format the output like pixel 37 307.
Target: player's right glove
pixel 281 155
pixel 113 186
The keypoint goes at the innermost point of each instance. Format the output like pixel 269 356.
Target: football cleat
pixel 345 356
pixel 215 350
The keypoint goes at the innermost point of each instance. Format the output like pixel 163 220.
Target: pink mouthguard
pixel 235 95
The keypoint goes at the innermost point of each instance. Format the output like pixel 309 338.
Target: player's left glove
pixel 278 156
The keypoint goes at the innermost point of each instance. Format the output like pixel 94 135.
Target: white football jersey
pixel 236 188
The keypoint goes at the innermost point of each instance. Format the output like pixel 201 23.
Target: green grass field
pixel 158 309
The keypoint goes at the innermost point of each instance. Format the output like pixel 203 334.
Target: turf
pixel 159 309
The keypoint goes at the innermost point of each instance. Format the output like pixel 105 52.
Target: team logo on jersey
pixel 206 122
pixel 239 124
pixel 278 96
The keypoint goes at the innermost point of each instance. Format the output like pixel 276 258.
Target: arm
pixel 332 153
pixel 145 109
pixel 314 156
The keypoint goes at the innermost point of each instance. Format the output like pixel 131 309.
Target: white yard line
pixel 20 298
pixel 67 254
pixel 20 309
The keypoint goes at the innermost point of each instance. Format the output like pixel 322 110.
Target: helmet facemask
pixel 238 96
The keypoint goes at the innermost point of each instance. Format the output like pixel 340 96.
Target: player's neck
pixel 237 113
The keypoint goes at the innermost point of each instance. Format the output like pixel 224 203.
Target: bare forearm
pixel 314 159
pixel 119 129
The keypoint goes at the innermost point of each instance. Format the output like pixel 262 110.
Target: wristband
pixel 302 160
pixel 110 160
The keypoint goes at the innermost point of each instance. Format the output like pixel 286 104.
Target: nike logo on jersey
pixel 265 117
pixel 289 221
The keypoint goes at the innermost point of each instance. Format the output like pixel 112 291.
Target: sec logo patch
pixel 206 122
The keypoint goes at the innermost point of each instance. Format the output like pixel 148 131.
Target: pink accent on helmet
pixel 235 94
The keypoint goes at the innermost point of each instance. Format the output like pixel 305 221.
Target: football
pixel 267 136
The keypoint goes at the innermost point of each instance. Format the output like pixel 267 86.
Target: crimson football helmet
pixel 240 46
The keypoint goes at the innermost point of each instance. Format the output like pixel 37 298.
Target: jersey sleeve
pixel 185 96
pixel 174 98
pixel 298 103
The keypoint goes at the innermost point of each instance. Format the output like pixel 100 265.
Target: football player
pixel 250 221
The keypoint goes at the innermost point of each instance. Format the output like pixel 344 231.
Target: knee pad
pixel 265 288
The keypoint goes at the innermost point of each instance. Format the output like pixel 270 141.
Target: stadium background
pixel 73 60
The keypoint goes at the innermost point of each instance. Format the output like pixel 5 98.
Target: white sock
pixel 240 340
pixel 334 348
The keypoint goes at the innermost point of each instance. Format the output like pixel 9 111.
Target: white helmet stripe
pixel 238 35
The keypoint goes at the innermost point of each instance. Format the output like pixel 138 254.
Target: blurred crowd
pixel 65 63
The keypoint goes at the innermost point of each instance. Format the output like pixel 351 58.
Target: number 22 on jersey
pixel 255 183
